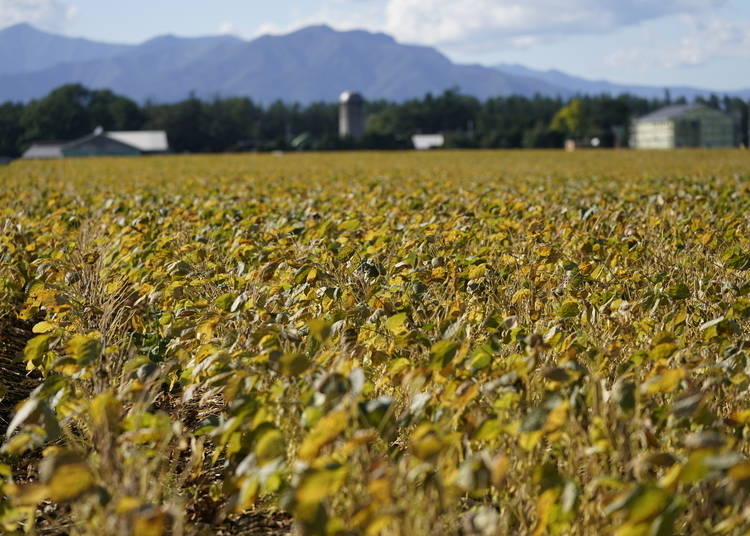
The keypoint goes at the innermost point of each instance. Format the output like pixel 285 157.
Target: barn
pixel 103 143
pixel 687 125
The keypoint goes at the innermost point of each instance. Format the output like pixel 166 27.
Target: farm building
pixel 101 143
pixel 351 115
pixel 422 142
pixel 688 125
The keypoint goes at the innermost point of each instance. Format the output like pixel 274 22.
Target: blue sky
pixel 694 42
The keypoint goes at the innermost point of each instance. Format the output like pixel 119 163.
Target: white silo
pixel 351 115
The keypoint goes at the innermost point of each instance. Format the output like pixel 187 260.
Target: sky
pixel 704 43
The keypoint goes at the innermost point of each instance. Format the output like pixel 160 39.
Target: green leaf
pixel 225 301
pixel 738 261
pixel 481 358
pixel 490 429
pixel 441 353
pixel 293 364
pixel 270 445
pixel 320 329
pixel 375 411
pixel 569 309
pixel 719 327
pixel 647 504
pixel 662 351
pixel 85 348
pixel 535 420
pixel 396 324
pixel 36 348
pixel 679 291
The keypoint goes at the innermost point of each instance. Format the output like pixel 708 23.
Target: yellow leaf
pixel 70 481
pixel 105 411
pixel 151 523
pixel 499 467
pixel 520 295
pixel 27 494
pixel 425 443
pixel 320 329
pixel 476 271
pixel 543 510
pixel 326 430
pixel 740 472
pixel 43 327
pixel 741 417
pixel 544 251
pixel 127 504
pixel 557 417
pixel 36 348
pixel 666 382
pixel 319 484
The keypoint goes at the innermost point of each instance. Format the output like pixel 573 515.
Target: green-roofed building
pixel 686 125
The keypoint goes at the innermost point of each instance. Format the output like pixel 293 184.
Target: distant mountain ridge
pixel 25 49
pixel 586 86
pixel 312 64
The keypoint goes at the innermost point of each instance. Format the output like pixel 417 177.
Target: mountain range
pixel 312 64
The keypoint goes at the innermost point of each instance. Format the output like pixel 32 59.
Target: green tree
pixel 570 120
pixel 186 124
pixel 114 112
pixel 62 115
pixel 72 111
pixel 10 129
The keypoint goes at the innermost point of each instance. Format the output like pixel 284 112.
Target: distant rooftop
pixel 144 141
pixel 669 112
pixel 423 142
pixel 45 149
pixel 148 141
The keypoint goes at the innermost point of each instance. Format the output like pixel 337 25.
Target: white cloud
pixel 45 14
pixel 228 28
pixel 474 27
pixel 703 40
pixel 485 23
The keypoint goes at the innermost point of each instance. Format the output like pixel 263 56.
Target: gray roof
pixel 97 134
pixel 45 149
pixel 144 141
pixel 669 113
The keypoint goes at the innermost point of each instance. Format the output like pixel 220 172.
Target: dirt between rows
pixel 15 382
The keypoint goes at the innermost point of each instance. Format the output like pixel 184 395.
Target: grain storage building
pixel 687 125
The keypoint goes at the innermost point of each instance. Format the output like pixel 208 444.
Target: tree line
pixel 239 124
